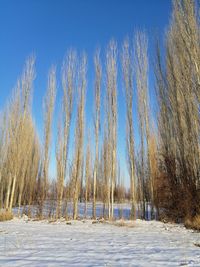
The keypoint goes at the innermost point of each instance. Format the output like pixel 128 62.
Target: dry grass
pixel 52 220
pixel 124 224
pixel 193 223
pixel 120 223
pixel 6 216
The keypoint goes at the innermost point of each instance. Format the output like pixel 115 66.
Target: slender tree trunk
pixel 113 182
pixel 12 192
pixel 8 191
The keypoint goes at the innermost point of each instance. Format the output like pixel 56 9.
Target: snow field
pixel 85 243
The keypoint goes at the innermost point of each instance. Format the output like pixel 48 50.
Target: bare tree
pixel 68 85
pixel 111 83
pixel 127 67
pixel 141 68
pixel 98 72
pixel 79 136
pixel 88 173
pixel 106 158
pixel 19 141
pixel 27 148
pixel 20 108
pixel 32 172
pixel 59 167
pixel 48 119
pixel 178 98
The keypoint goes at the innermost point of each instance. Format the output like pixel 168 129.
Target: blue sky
pixel 48 28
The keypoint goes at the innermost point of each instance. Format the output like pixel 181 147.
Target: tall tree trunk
pixel 98 71
pixel 12 192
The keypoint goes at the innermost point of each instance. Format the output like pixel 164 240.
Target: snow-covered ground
pixel 83 243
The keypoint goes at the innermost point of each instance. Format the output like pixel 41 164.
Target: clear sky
pixel 48 28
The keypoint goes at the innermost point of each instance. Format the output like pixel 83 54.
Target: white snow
pixel 140 243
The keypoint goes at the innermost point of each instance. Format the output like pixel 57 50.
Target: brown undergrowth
pixel 6 216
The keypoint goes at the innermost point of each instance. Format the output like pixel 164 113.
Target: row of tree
pixel 164 169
